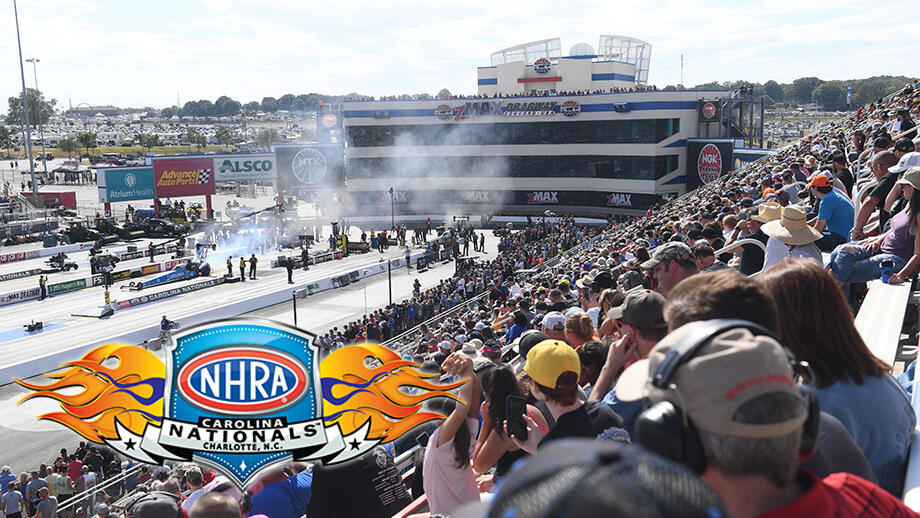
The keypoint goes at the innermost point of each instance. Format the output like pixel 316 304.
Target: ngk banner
pixel 183 176
pixel 312 167
pixel 708 160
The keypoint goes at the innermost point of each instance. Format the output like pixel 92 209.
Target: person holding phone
pixel 447 475
pixel 554 368
pixel 495 447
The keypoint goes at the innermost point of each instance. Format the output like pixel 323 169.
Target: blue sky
pixel 132 53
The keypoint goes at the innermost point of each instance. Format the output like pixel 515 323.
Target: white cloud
pixel 132 54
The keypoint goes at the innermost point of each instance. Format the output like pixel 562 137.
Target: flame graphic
pixel 130 393
pixel 354 393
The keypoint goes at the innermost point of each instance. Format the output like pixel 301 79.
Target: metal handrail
pixel 91 493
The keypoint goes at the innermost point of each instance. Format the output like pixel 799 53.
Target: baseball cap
pixel 729 370
pixel 580 478
pixel 818 180
pixel 907 161
pixel 672 251
pixel 554 320
pixel 629 280
pixel 904 145
pixel 491 351
pixel 642 308
pixel 155 504
pixel 528 340
pixel 549 359
pixel 444 345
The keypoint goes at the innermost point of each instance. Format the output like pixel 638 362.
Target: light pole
pixel 365 291
pixel 392 210
pixel 25 108
pixel 41 129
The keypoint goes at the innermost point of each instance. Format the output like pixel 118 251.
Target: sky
pixel 130 53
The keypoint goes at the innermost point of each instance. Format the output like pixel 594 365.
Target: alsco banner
pixel 240 167
pixel 125 184
pixel 183 176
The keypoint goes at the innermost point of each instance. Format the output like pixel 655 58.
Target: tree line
pixel 830 95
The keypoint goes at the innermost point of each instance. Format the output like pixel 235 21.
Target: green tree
pixel 87 139
pixel 267 137
pixel 831 96
pixel 286 102
pixel 251 107
pixel 803 87
pixel 196 138
pixel 269 105
pixel 443 93
pixel 6 138
pixel 773 90
pixel 224 105
pixel 224 136
pixel 68 145
pixel 15 116
pixel 147 140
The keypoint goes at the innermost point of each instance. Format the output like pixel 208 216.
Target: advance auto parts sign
pixel 183 176
pixel 236 168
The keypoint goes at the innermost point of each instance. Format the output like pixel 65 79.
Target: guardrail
pixel 113 488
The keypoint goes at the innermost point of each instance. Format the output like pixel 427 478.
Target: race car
pixel 59 263
pixel 191 270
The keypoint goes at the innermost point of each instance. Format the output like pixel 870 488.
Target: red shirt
pixel 841 495
pixel 74 469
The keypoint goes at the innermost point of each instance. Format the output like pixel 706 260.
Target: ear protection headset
pixel 665 429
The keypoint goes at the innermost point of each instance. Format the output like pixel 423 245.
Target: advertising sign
pixel 61 287
pixel 19 296
pixel 55 199
pixel 708 111
pixel 20 275
pixel 183 176
pixel 235 168
pixel 310 167
pixel 707 160
pixel 126 184
pixel 12 257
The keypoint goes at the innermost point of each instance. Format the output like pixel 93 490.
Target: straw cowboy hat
pixel 768 212
pixel 792 228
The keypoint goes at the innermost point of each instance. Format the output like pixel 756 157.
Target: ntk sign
pixel 248 167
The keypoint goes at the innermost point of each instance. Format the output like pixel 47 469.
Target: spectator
pixel 285 492
pixel 448 477
pixel 5 478
pixel 745 447
pixel 12 503
pixel 861 261
pixel 578 329
pixel 791 237
pixel 195 484
pixel 670 264
pixel 215 505
pixel 583 478
pixel 494 447
pixel 554 368
pixel 46 506
pixel 706 258
pixel 835 213
pixel 32 497
pixel 554 325
pixel 102 511
pixel 852 385
pixel 593 356
pixel 881 167
pixel 375 489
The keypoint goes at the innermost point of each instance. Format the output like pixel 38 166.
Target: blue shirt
pixel 628 410
pixel 284 499
pixel 880 418
pixel 5 480
pixel 837 212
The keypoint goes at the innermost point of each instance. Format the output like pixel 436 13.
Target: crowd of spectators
pixel 544 93
pixel 753 395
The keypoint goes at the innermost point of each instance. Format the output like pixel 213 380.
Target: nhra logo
pixel 476 196
pixel 542 66
pixel 243 380
pixel 709 110
pixel 619 200
pixel 242 396
pixel 542 197
pixel 709 163
pixel 570 108
pixel 444 112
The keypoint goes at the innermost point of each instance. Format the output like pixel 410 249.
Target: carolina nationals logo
pixel 241 396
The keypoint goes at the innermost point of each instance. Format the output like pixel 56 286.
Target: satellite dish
pixel 581 49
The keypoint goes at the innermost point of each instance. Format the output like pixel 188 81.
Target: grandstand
pixel 556 263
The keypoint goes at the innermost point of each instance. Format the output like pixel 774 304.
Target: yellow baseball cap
pixel 549 359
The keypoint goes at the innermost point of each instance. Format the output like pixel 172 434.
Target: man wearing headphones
pixel 725 403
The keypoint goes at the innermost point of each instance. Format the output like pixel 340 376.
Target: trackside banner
pixel 183 176
pixel 239 167
pixel 708 160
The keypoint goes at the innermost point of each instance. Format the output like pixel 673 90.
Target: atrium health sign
pixel 126 184
pixel 237 168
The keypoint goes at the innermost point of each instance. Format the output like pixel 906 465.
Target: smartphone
pixel 422 439
pixel 516 406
